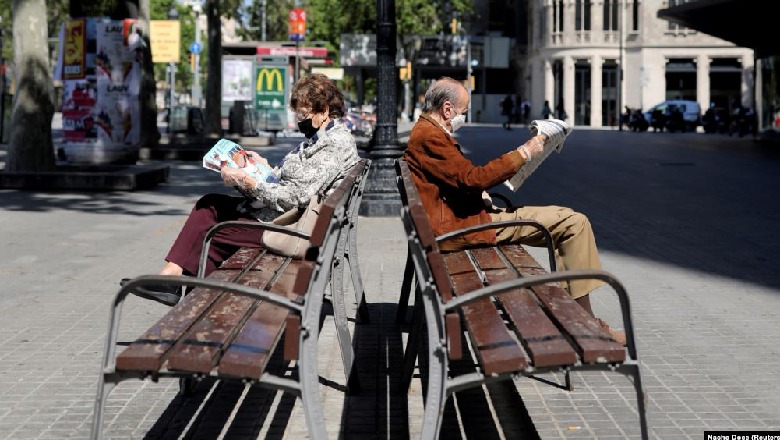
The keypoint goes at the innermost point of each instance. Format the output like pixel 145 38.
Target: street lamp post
pixel 381 198
pixel 173 14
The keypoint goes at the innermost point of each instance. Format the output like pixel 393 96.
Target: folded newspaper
pixel 229 153
pixel 556 131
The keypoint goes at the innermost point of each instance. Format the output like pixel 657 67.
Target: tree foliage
pixel 328 19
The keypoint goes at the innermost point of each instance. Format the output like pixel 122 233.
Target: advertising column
pixel 102 76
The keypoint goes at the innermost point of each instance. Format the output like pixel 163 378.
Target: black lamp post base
pixel 381 198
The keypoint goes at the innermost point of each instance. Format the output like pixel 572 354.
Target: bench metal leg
pixel 342 332
pixel 412 344
pixel 357 280
pixel 640 400
pixel 307 370
pixel 436 394
pixel 104 389
pixel 340 313
pixel 406 287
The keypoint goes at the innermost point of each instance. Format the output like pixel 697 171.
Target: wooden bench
pixel 516 317
pixel 231 323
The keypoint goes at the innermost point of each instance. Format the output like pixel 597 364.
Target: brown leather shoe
pixel 617 335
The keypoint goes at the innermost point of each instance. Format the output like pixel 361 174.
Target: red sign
pixel 297 24
pixel 312 52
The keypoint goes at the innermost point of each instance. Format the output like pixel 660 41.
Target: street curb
pixel 91 178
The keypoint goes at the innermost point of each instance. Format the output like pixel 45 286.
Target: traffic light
pixel 405 72
pixel 192 62
pixel 454 26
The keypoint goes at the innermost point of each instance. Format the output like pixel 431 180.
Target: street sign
pixel 164 36
pixel 297 24
pixel 195 47
pixel 271 96
pixel 312 52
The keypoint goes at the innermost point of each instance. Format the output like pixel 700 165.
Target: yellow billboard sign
pixel 165 39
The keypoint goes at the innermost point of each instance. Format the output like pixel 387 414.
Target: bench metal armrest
pixel 495 225
pixel 566 275
pixel 262 226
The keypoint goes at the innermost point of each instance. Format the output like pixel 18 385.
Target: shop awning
pixel 746 23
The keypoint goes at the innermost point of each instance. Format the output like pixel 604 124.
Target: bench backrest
pixel 333 215
pixel 422 228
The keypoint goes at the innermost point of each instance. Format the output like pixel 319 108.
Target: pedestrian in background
pixel 507 106
pixel 546 110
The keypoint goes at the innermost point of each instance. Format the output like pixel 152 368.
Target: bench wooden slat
pixel 520 258
pixel 497 350
pixel 595 343
pixel 199 350
pixel 147 353
pixel 248 354
pixel 543 341
pixel 242 258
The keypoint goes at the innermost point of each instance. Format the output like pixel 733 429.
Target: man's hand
pixel 237 177
pixel 533 147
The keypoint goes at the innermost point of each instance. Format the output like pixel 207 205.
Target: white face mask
pixel 457 122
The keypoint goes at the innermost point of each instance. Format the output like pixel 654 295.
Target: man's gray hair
pixel 443 89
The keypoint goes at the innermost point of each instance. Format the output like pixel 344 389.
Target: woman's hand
pixel 237 177
pixel 255 157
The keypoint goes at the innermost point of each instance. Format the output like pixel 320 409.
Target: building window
pixel 582 17
pixel 558 16
pixel 635 16
pixel 611 15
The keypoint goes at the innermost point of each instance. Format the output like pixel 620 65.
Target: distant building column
pixel 748 81
pixel 568 87
pixel 549 84
pixel 595 91
pixel 703 81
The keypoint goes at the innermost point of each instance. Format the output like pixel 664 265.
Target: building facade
pixel 576 49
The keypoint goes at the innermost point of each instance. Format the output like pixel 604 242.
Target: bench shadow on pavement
pixel 380 410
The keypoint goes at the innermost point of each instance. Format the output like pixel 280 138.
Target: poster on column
pixel 101 114
pixel 118 73
pixel 78 123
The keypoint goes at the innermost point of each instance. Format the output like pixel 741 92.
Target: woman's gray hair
pixel 443 89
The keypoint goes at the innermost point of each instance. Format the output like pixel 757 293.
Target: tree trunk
pixel 213 122
pixel 150 135
pixel 30 147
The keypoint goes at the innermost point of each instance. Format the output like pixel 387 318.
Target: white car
pixel 691 114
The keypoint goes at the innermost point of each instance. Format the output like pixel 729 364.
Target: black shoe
pixel 162 293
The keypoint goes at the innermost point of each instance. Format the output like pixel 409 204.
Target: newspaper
pixel 556 131
pixel 229 153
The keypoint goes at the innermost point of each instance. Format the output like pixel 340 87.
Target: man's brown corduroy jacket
pixel 450 185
